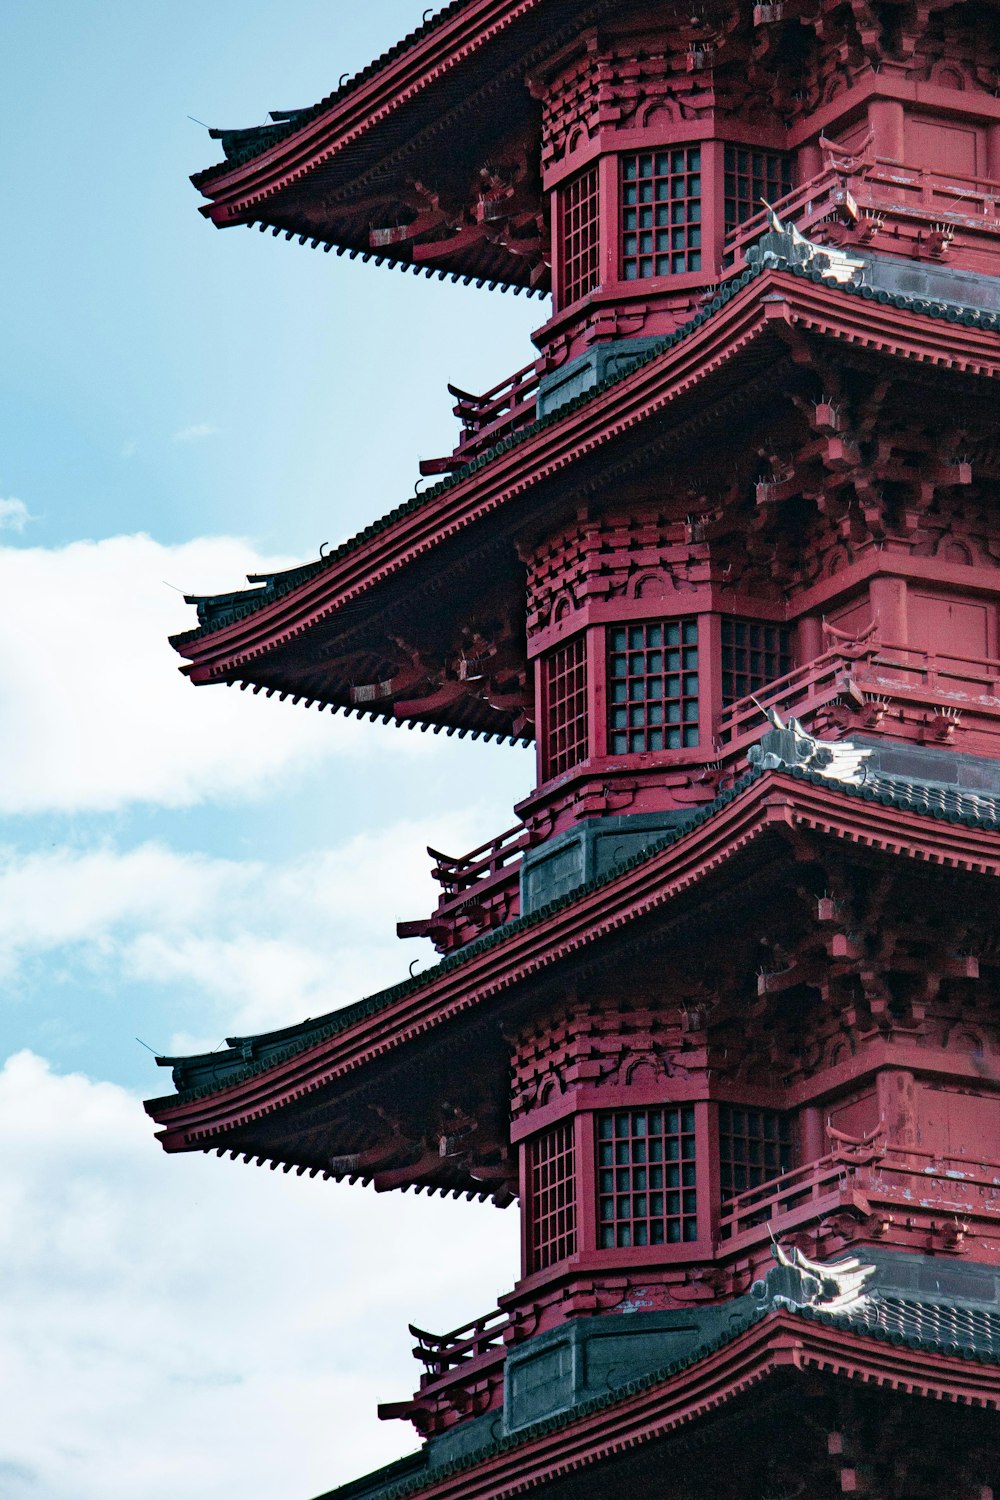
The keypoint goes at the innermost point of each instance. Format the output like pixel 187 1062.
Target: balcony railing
pixel 798 692
pixel 936 679
pixel 463 1369
pixel 443 1352
pixel 937 671
pixel 880 1172
pixel 479 890
pixel 489 418
pixel 802 1188
pixel 886 188
pixel 456 875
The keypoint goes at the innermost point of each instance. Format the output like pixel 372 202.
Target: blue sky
pixel 180 406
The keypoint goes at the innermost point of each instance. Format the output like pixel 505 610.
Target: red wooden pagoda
pixel 719 1011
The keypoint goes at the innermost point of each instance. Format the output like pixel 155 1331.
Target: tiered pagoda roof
pixel 691 1015
pixel 754 1387
pixel 346 172
pixel 253 1099
pixel 466 526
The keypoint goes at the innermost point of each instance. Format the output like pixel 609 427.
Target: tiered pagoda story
pixel 719 1012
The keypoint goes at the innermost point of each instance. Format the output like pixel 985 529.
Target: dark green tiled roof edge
pixel 337 1021
pixel 285 583
pixel 556 1423
pixel 845 1321
pixel 910 797
pixel 299 117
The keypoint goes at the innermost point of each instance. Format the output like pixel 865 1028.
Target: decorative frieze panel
pixel 627 85
pixel 602 1045
pixel 640 555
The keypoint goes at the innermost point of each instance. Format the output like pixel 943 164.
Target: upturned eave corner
pixel 300 1060
pixel 717 1010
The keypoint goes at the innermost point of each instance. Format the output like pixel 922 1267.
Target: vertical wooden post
pixel 608 208
pixel 889 606
pixel 886 118
pixel 597 717
pixel 709 679
pixel 706 1124
pixel 586 1182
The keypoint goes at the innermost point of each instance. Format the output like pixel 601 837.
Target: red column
pixel 709 679
pixel 888 596
pixel 586 1183
pixel 808 640
pixel 607 189
pixel 812 1134
pixel 896 1096
pixel 886 118
pixel 597 718
pixel 706 1124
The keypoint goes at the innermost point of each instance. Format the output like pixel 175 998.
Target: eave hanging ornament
pixel 783 244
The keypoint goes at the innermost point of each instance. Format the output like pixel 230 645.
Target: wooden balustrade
pixel 800 690
pixel 937 670
pixel 795 1195
pixel 457 874
pixel 489 418
pixel 440 1353
pixel 872 664
pixel 758 1207
pixel 886 188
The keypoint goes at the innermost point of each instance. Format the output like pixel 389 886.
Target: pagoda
pixel 719 1011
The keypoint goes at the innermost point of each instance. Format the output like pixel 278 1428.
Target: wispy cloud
pixel 84 739
pixel 195 433
pixel 239 945
pixel 130 448
pixel 245 945
pixel 116 1337
pixel 14 515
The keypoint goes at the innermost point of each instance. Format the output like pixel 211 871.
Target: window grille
pixel 646 1177
pixel 552 1202
pixel 753 654
pixel 661 212
pixel 566 706
pixel 751 176
pixel 652 686
pixel 754 1146
pixel 580 236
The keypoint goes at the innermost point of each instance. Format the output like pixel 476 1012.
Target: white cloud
pixel 195 433
pixel 96 713
pixel 235 945
pixel 14 515
pixel 197 1326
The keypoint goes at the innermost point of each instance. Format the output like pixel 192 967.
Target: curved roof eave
pixel 784 298
pixel 311 137
pixel 297 1060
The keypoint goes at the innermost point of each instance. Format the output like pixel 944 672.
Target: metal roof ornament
pixel 837 1287
pixel 785 242
pixel 784 746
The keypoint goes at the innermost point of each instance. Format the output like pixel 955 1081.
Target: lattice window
pixel 652 686
pixel 552 1196
pixel 751 176
pixel 661 212
pixel 753 654
pixel 580 236
pixel 754 1146
pixel 566 706
pixel 646 1177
